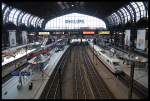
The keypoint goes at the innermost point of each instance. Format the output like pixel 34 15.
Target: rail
pixel 52 89
pixel 100 89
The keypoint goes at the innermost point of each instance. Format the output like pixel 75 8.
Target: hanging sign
pixel 12 37
pixel 127 37
pixel 24 37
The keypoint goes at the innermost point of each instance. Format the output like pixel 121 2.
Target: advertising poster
pixel 24 37
pixel 127 38
pixel 141 39
pixel 12 37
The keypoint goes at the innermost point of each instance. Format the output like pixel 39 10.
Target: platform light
pixel 136 57
pixel 31 34
pixel 146 28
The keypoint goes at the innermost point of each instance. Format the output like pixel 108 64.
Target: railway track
pixel 80 84
pixel 53 87
pixel 100 89
pixel 138 88
pixel 87 83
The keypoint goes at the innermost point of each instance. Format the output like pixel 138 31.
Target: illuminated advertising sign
pixel 88 33
pixel 44 33
pixel 24 37
pixel 127 37
pixel 141 39
pixel 12 37
pixel 58 32
pixel 104 32
pixel 75 21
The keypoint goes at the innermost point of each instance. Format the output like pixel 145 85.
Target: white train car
pixel 113 64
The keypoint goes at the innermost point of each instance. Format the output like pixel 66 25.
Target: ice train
pixel 112 63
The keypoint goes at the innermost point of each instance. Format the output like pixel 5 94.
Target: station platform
pixel 136 52
pixel 9 88
pixel 21 54
pixel 140 74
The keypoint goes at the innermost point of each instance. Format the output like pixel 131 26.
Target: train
pixel 112 63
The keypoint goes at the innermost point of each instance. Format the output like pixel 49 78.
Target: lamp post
pixel 131 75
pixel 93 50
pixel 60 82
pixel 131 80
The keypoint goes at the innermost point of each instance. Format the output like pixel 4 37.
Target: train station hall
pixel 74 49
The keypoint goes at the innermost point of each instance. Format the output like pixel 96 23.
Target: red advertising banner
pixel 88 32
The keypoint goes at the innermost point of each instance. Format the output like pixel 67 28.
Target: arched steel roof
pixel 133 12
pixel 18 17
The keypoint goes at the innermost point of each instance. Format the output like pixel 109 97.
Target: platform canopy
pixel 75 21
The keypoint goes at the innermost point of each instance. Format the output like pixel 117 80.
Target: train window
pixel 103 52
pixel 115 63
pixel 107 60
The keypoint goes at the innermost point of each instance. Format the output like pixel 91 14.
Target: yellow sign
pixel 44 33
pixel 104 32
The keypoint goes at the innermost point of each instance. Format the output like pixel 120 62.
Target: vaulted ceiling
pixel 49 10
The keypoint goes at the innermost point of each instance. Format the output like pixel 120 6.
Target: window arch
pixel 26 20
pixel 137 10
pixel 127 14
pixel 11 14
pixel 131 12
pixel 142 9
pixel 16 16
pixel 20 18
pixel 122 16
pixel 5 17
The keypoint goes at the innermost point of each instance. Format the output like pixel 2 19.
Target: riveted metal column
pixel 131 82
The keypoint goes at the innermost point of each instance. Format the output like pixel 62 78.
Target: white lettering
pixel 74 21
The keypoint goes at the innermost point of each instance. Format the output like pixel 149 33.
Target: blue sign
pixel 15 73
pixel 22 73
pixel 74 21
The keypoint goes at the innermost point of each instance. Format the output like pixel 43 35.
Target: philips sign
pixel 74 21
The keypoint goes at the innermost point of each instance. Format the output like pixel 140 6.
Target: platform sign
pixel 24 37
pixel 127 37
pixel 20 73
pixel 12 37
pixel 141 39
